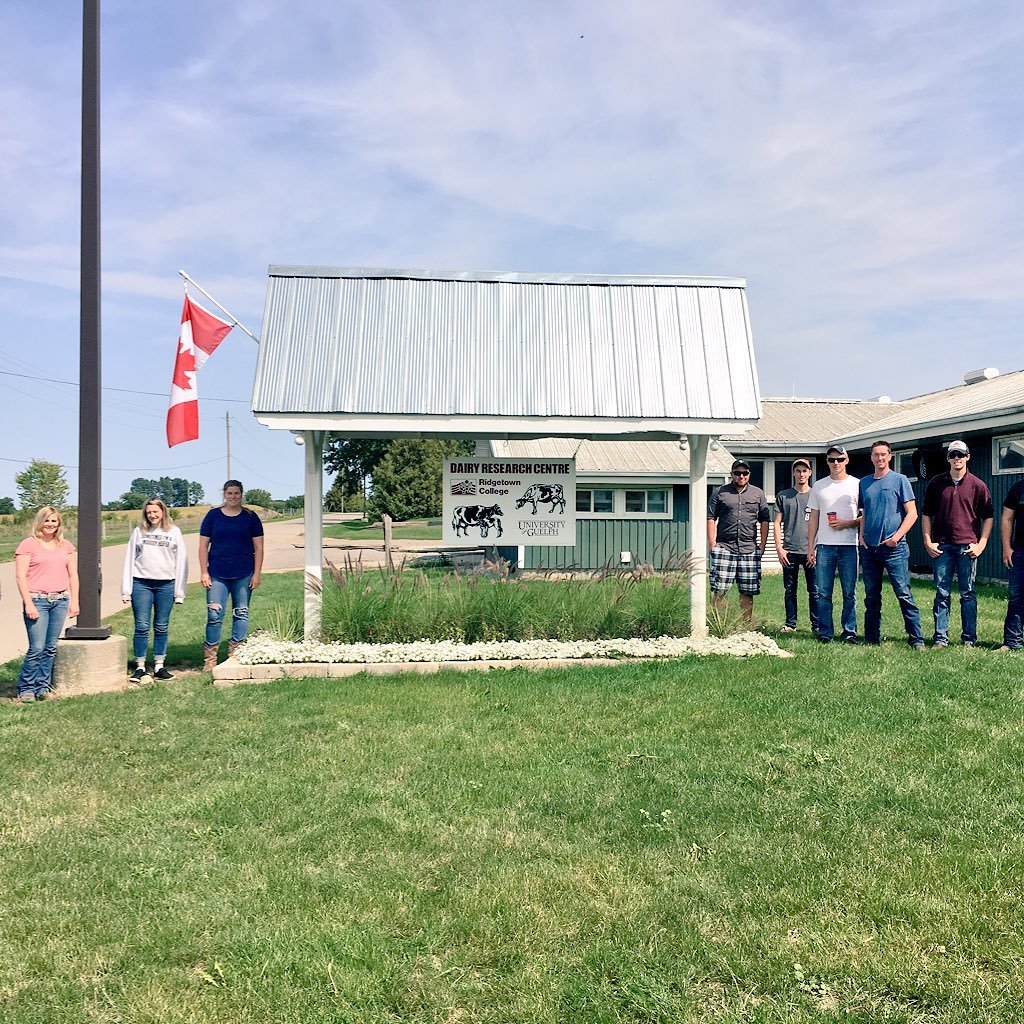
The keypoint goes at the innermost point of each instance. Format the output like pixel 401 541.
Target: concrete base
pixel 90 666
pixel 231 673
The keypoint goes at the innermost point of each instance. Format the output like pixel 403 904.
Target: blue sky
pixel 859 164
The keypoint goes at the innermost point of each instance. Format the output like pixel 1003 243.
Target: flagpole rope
pixel 235 322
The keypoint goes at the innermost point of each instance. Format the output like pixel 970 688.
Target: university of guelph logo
pixel 464 487
pixel 483 517
pixel 543 494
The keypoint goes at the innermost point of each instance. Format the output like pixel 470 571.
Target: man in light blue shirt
pixel 889 510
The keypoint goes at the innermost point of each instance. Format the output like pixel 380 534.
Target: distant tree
pixel 143 485
pixel 339 499
pixel 258 496
pixel 41 483
pixel 353 458
pixel 174 491
pixel 407 481
pixel 135 499
pixel 7 507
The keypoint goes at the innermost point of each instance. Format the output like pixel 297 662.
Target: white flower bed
pixel 264 649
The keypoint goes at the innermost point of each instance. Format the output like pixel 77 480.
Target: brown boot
pixel 233 646
pixel 209 657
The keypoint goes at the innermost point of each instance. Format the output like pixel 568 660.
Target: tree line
pixel 44 483
pixel 400 478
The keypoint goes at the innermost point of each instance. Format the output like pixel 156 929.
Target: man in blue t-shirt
pixel 889 510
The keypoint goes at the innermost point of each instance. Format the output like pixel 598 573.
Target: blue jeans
pixel 790 577
pixel 1013 636
pixel 216 605
pixel 833 558
pixel 43 633
pixel 896 562
pixel 954 559
pixel 152 600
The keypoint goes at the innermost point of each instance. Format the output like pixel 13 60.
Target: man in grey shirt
pixel 791 543
pixel 737 534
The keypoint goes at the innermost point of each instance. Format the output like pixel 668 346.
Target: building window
pixel 757 472
pixel 655 502
pixel 1008 454
pixel 903 462
pixel 783 476
pixel 601 502
pixel 652 503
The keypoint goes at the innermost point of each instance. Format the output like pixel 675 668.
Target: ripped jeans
pixel 216 606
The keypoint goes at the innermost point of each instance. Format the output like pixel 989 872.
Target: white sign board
pixel 509 502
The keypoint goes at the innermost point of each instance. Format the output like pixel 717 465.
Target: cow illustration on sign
pixel 485 517
pixel 544 494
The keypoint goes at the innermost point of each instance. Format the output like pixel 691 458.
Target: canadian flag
pixel 201 333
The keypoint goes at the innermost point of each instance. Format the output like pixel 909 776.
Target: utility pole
pixel 227 425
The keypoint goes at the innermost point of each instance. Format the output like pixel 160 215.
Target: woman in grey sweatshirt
pixel 155 572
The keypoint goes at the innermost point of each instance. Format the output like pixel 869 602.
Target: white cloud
pixel 859 164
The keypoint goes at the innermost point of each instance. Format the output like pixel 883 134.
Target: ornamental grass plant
pixel 389 606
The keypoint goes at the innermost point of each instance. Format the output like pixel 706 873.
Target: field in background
pixel 358 529
pixel 117 526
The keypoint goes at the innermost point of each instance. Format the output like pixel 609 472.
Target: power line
pixel 127 391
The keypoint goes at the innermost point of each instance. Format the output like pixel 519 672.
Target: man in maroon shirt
pixel 956 522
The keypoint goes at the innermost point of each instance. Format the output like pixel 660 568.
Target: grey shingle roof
pixel 619 458
pixel 807 424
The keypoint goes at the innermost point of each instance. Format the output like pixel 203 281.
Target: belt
pixel 56 596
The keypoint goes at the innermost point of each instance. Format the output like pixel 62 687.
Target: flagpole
pixel 88 626
pixel 235 322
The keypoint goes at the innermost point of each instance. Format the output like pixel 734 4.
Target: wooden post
pixel 387 542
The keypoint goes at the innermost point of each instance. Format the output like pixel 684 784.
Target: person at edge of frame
pixel 1011 528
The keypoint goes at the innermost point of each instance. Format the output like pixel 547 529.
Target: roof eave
pixel 931 429
pixel 499 427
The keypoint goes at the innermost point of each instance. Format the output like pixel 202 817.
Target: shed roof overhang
pixel 478 427
pixel 409 353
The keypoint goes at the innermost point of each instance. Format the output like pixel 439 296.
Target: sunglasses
pixel 741 472
pixel 837 459
pixel 956 455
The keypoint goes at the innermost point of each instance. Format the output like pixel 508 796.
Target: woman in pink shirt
pixel 46 568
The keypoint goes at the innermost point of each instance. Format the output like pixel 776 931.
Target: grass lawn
pixel 357 529
pixel 831 837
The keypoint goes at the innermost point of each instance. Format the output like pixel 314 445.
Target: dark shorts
pixel 727 566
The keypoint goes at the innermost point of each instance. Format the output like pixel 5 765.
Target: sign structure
pixel 508 502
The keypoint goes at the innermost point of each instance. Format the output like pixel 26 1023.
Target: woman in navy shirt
pixel 230 560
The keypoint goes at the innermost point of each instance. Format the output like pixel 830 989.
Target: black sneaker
pixel 137 676
pixel 162 673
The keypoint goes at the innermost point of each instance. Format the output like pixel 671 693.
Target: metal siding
pixel 716 353
pixel 736 331
pixel 696 378
pixel 456 346
pixel 599 542
pixel 651 380
pixel 628 370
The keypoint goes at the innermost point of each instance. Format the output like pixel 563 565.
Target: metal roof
pixel 419 353
pixel 808 425
pixel 986 404
pixel 632 459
